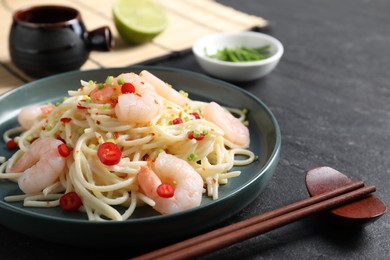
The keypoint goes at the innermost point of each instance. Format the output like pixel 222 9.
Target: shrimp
pixel 29 115
pixel 137 109
pixel 103 95
pixel 132 108
pixel 168 169
pixel 110 92
pixel 141 84
pixel 41 165
pixel 165 90
pixel 234 130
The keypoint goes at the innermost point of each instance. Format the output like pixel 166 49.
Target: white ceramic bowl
pixel 237 71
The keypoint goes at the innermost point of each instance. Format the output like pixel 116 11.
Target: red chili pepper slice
pixel 33 140
pixel 115 135
pixel 196 115
pixel 64 150
pixel 177 121
pixel 11 144
pixel 109 153
pixel 65 119
pixel 191 136
pixel 70 201
pixel 127 88
pixel 166 190
pixel 81 107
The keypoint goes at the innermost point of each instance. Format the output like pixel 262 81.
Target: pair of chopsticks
pixel 229 235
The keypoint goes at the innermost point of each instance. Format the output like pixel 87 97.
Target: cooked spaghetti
pixel 140 116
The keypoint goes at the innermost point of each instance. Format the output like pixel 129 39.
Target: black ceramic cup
pixel 50 39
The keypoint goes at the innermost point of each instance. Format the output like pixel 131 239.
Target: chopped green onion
pixel 111 140
pixel 185 94
pixel 121 81
pixel 92 146
pixel 241 54
pixel 91 82
pixel 192 157
pixel 100 85
pixel 48 127
pixel 109 80
pixel 196 134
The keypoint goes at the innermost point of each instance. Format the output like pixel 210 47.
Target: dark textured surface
pixel 331 96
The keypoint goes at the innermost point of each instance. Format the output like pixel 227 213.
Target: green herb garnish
pixel 121 81
pixel 192 157
pixel 241 54
pixel 109 80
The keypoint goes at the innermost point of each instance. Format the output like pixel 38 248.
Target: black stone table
pixel 331 97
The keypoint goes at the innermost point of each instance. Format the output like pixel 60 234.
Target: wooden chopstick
pixel 257 225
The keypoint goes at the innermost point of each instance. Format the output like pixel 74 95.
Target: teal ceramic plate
pixel 145 226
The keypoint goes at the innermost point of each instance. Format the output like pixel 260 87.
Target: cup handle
pixel 100 39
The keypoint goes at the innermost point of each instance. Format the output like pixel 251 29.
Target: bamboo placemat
pixel 188 20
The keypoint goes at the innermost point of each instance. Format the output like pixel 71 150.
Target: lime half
pixel 139 21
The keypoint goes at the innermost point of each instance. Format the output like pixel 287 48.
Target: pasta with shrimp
pixel 130 141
